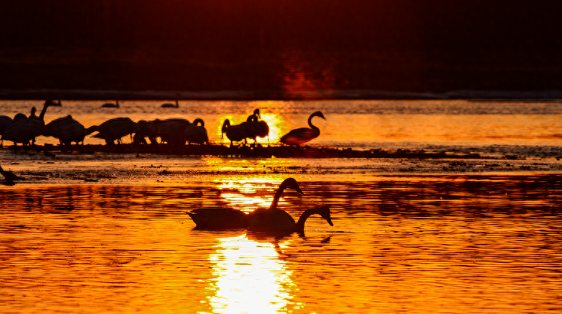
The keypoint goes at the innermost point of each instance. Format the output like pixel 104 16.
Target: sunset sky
pixel 401 45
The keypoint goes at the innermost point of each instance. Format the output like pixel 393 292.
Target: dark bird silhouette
pixel 114 129
pixel 278 222
pixel 111 105
pixel 220 218
pixel 170 105
pixel 172 131
pixel 237 132
pixel 25 130
pixel 256 127
pixel 196 133
pixel 5 123
pixel 147 129
pixel 302 135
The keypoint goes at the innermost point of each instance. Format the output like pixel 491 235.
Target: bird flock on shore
pixel 176 132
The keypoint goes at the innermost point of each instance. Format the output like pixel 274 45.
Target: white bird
pixel 303 135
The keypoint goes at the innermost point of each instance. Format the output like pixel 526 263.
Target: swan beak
pixel 299 190
pixel 329 220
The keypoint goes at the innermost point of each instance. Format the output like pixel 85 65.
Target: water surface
pixel 400 243
pixel 91 233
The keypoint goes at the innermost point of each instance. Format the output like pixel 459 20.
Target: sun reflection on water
pixel 250 277
pixel 244 193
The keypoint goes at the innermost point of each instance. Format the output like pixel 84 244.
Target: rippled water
pixel 490 127
pixel 400 243
pixel 91 233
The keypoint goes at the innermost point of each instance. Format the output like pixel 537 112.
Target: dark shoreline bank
pixel 249 152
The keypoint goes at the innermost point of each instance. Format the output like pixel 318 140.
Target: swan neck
pixel 299 227
pixel 277 197
pixel 310 122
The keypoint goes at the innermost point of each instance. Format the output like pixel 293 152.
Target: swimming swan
pixel 279 222
pixel 221 218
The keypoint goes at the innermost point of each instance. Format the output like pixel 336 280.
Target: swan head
pixel 291 184
pixel 318 114
pixel 324 211
pixel 200 121
pixel 257 113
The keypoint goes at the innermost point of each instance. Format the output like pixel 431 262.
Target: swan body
pixel 147 129
pixel 55 128
pixel 196 133
pixel 220 218
pixel 170 105
pixel 172 130
pixel 279 222
pixel 75 132
pixel 5 123
pixel 115 129
pixel 256 127
pixel 22 132
pixel 235 133
pixel 302 135
pixel 67 130
pixel 25 130
pixel 111 105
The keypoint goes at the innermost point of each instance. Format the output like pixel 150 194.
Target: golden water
pixel 400 243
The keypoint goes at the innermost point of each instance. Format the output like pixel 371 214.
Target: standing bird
pixel 257 128
pixel 170 105
pixel 172 131
pixel 111 105
pixel 114 129
pixel 237 132
pixel 5 123
pixel 303 135
pixel 196 133
pixel 25 130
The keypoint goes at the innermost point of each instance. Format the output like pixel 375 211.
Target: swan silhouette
pixel 111 105
pixel 237 132
pixel 170 105
pixel 196 133
pixel 279 222
pixel 303 135
pixel 222 218
pixel 114 129
pixel 25 130
pixel 256 127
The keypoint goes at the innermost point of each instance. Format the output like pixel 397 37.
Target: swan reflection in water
pixel 250 277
